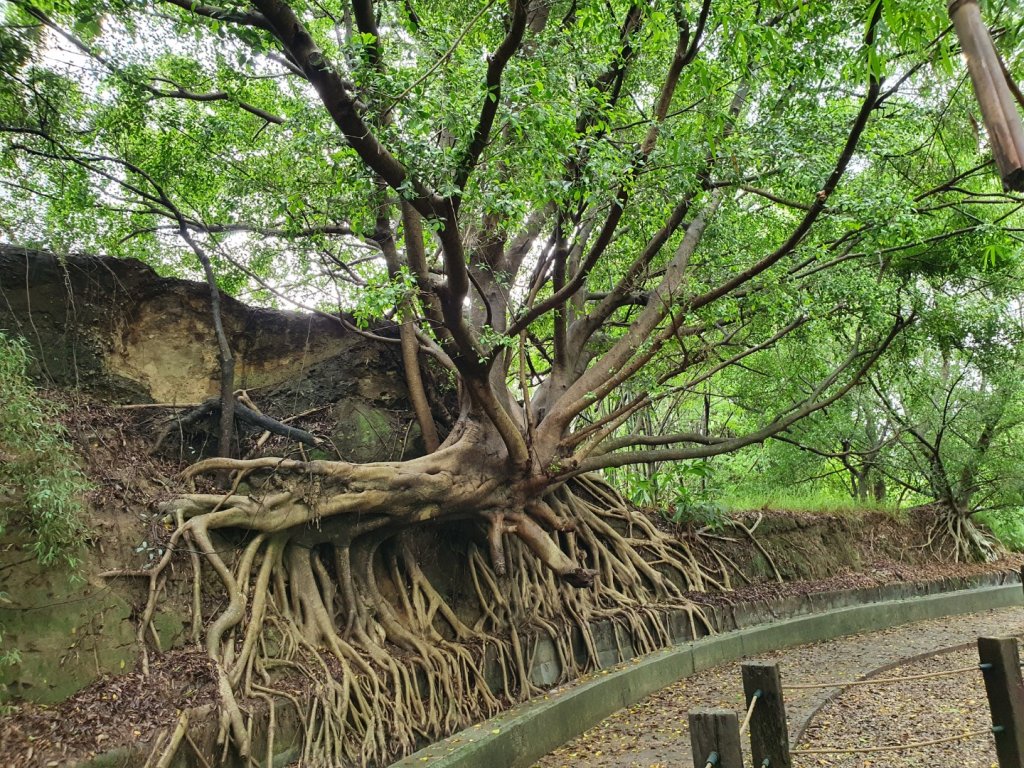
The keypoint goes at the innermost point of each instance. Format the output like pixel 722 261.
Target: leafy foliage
pixel 641 235
pixel 8 657
pixel 1007 525
pixel 679 492
pixel 40 484
pixel 637 233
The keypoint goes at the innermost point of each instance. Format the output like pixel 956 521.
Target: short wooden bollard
pixel 715 738
pixel 1000 665
pixel 769 733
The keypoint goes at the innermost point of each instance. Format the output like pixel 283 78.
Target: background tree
pixel 957 404
pixel 936 428
pixel 581 209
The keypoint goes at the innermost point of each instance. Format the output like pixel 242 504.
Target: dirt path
pixel 653 733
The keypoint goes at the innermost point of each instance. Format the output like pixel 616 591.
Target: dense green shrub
pixel 1007 525
pixel 41 486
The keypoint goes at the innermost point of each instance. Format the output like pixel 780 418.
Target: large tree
pixel 583 210
pixel 956 412
pixel 937 428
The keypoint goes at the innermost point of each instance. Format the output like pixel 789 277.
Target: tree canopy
pixel 562 197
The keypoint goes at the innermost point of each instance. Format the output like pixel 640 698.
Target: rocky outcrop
pixel 117 329
pixel 117 325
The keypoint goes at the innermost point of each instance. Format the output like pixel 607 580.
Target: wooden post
pixel 1000 664
pixel 1002 120
pixel 769 733
pixel 715 731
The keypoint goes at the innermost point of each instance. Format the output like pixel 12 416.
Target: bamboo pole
pixel 1002 121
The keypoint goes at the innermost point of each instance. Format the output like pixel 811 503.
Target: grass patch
pixel 805 500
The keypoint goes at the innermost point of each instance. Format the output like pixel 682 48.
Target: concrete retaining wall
pixel 515 739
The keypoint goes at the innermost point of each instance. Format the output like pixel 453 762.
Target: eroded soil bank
pixel 127 709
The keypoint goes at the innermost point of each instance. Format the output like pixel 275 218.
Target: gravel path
pixel 868 716
pixel 653 733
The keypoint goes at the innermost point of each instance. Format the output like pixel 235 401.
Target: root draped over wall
pixel 329 588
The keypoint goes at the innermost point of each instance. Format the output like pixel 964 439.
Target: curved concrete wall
pixel 515 739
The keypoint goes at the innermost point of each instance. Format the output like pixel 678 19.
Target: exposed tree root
pixel 330 587
pixel 177 736
pixel 954 536
pixel 760 547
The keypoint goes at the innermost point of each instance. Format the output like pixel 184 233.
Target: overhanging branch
pixel 780 424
